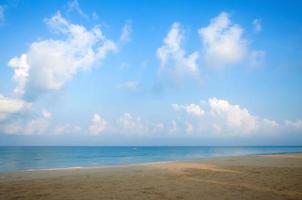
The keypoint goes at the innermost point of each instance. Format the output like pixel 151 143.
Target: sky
pixel 150 72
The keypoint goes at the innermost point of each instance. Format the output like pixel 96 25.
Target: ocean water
pixel 35 158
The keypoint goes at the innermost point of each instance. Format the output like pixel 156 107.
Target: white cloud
pixel 16 117
pixel 36 125
pixel 295 124
pixel 238 119
pixel 1 14
pixel 66 129
pixel 132 124
pixel 173 57
pixel 98 125
pixel 193 109
pixel 223 43
pixel 21 68
pixel 127 124
pixel 129 86
pixel 48 64
pixel 126 32
pixel 10 106
pixel 75 6
pixel 233 115
pixel 257 25
pixel 270 123
pixel 222 117
pixel 11 128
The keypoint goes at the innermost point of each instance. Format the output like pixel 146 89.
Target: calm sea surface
pixel 32 158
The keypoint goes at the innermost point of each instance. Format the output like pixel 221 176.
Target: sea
pixel 27 158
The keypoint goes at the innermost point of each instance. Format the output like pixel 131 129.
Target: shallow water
pixel 36 157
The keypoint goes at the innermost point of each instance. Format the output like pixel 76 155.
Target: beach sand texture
pixel 246 177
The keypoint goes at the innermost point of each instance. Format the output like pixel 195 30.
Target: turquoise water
pixel 32 158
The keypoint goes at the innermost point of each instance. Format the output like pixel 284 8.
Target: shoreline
pixel 269 176
pixel 142 163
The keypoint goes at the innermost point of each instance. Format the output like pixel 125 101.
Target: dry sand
pixel 248 177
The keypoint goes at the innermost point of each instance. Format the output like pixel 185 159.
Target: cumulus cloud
pixel 233 115
pixel 193 109
pixel 10 106
pixel 66 129
pixel 127 124
pixel 38 125
pixel 221 116
pixel 295 124
pixel 16 117
pixel 173 57
pixel 48 64
pixel 27 126
pixel 257 25
pixel 21 68
pixel 132 124
pixel 98 125
pixel 223 42
pixel 270 123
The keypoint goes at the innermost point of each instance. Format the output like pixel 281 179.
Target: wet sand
pixel 247 177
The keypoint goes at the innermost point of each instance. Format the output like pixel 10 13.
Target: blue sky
pixel 150 73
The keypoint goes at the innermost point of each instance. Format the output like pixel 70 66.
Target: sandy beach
pixel 246 177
